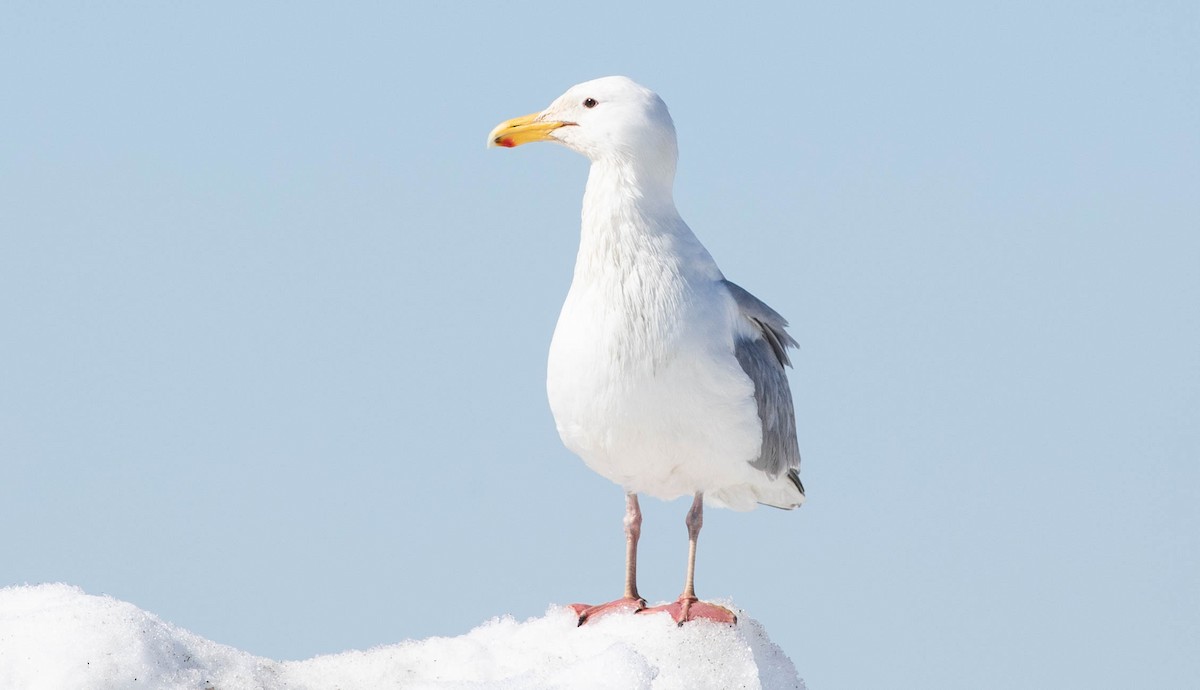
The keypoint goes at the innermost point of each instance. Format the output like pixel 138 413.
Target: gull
pixel 663 376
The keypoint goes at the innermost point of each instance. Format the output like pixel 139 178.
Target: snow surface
pixel 57 636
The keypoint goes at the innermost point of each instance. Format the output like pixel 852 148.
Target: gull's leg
pixel 633 532
pixel 694 521
pixel 688 607
pixel 631 600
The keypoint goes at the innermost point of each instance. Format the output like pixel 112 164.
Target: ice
pixel 56 636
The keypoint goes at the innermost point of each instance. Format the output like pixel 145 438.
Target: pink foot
pixel 586 612
pixel 691 608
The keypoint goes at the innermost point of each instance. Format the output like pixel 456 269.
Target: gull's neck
pixel 630 271
pixel 626 198
pixel 630 225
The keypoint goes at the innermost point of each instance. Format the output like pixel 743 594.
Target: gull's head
pixel 612 118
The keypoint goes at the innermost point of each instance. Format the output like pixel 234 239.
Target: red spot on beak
pixel 506 142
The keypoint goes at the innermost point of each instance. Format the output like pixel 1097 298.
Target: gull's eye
pixel 589 103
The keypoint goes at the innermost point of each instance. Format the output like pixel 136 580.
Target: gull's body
pixel 643 378
pixel 663 376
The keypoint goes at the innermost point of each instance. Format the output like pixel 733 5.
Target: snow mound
pixel 57 636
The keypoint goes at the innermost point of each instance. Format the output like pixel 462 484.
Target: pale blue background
pixel 274 322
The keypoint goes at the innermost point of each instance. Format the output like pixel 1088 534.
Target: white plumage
pixel 663 376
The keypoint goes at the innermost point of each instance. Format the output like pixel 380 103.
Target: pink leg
pixel 688 607
pixel 631 600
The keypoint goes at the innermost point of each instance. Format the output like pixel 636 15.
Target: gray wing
pixel 763 359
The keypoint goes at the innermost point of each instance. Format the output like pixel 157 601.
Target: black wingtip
pixel 795 477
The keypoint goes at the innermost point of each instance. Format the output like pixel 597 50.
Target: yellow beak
pixel 522 130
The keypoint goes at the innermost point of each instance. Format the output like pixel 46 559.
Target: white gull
pixel 663 376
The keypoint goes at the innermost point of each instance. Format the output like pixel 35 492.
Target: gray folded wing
pixel 763 359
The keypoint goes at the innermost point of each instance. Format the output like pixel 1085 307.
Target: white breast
pixel 642 379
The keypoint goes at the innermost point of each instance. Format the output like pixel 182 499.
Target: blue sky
pixel 275 322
